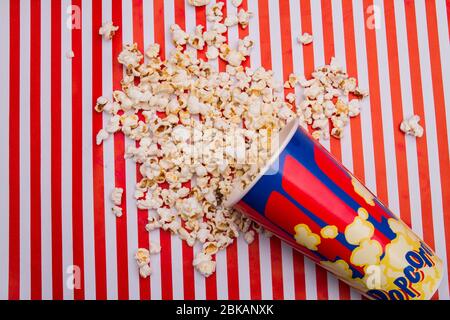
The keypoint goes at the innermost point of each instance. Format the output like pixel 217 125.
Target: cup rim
pixel 285 135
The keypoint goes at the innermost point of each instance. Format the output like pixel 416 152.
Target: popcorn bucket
pixel 318 207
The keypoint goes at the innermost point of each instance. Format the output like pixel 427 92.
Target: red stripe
pixel 166 253
pixel 335 145
pixel 77 155
pixel 422 149
pixel 352 70
pixel 186 251
pixel 232 250
pixel 211 281
pixel 253 248
pixel 448 15
pixel 35 151
pixel 308 68
pixel 119 162
pixel 288 68
pixel 397 112
pixel 97 157
pixel 142 215
pixel 375 107
pixel 57 265
pixel 266 61
pixel 439 107
pixel 14 153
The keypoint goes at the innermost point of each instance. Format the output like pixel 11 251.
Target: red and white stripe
pixel 55 210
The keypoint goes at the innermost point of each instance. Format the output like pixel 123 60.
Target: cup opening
pixel 284 137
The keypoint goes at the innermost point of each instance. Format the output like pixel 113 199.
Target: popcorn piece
pixel 116 196
pixel 198 3
pixel 214 13
pixel 102 135
pixel 70 54
pixel 117 211
pixel 212 53
pixel 179 37
pixel 231 20
pixel 305 38
pixel 130 56
pixel 236 3
pixel 412 127
pixel 204 264
pixel 107 30
pixel 153 51
pixel 244 18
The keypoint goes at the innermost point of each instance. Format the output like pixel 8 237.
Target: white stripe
pixel 4 149
pixel 46 167
pixel 244 269
pixel 355 295
pixel 288 272
pixel 432 140
pixel 339 47
pixel 386 113
pixel 130 169
pixel 410 143
pixel 310 279
pixel 264 242
pixel 277 67
pixel 176 243
pixel 319 54
pixel 444 44
pixel 25 151
pixel 108 154
pixel 366 119
pixel 222 275
pixel 297 49
pixel 266 268
pixel 333 287
pixel 66 140
pixel 88 202
pixel 155 260
pixel 221 256
pixel 242 246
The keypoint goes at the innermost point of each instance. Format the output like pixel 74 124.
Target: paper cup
pixel 318 207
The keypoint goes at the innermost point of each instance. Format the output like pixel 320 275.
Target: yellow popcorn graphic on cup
pixel 368 253
pixel 358 230
pixel 305 237
pixel 329 232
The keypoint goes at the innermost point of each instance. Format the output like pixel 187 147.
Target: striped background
pixel 55 183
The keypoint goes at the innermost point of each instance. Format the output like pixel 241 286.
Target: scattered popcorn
pixel 70 54
pixel 116 196
pixel 107 30
pixel 326 107
pixel 184 118
pixel 412 127
pixel 305 38
pixel 198 3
